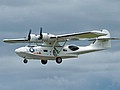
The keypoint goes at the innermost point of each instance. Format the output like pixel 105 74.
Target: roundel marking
pixel 31 50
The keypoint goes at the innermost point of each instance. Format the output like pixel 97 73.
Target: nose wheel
pixel 25 61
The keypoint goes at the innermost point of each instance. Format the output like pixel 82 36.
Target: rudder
pixel 102 42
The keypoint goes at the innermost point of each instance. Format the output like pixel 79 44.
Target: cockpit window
pixel 31 46
pixel 45 50
pixel 73 48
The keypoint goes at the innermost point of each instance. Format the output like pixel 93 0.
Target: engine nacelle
pixel 33 37
pixel 45 37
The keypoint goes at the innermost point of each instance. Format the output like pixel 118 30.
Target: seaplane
pixel 46 46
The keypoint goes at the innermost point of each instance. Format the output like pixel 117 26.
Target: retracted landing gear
pixel 25 61
pixel 58 60
pixel 44 62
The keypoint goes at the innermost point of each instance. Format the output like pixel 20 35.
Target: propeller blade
pixel 41 36
pixel 29 37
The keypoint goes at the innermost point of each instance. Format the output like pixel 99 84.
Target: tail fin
pixel 102 42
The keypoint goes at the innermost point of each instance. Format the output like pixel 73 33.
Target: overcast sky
pixel 94 71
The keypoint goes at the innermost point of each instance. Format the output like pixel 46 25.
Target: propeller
pixel 29 37
pixel 41 35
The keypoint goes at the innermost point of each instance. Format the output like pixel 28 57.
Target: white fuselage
pixel 50 53
pixel 52 49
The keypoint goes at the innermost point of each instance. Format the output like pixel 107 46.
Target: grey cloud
pixel 17 3
pixel 93 72
pixel 74 14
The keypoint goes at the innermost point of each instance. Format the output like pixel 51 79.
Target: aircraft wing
pixel 59 38
pixel 79 36
pixel 20 40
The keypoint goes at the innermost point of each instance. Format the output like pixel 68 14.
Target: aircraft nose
pixel 20 50
pixel 17 50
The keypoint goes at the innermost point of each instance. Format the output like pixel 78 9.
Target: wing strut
pixel 53 45
pixel 63 46
pixel 55 50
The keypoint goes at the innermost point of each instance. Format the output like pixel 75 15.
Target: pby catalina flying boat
pixel 51 49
